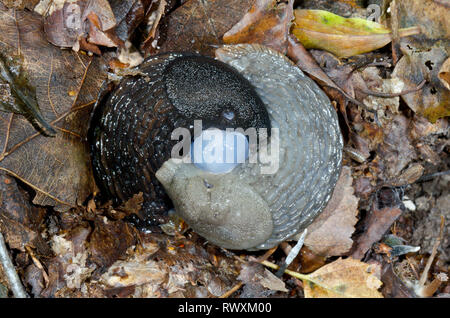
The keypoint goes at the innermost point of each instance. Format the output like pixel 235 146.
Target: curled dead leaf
pixel 344 37
pixel 267 23
pixel 344 278
pixel 433 100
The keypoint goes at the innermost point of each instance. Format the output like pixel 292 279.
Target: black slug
pixel 130 130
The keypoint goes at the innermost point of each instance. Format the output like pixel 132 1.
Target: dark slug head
pixel 204 88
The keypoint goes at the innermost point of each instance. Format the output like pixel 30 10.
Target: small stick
pixel 429 177
pixel 423 278
pixel 390 95
pixel 292 254
pixel 38 264
pixel 232 290
pixel 10 271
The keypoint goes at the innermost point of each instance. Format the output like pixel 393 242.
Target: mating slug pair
pixel 247 86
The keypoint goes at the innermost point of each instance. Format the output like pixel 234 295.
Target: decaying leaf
pixel 156 11
pixel 378 223
pixel 431 16
pixel 433 101
pixel 254 274
pixel 267 22
pixel 344 278
pixel 19 221
pixel 81 24
pixel 393 286
pixel 198 25
pixel 109 241
pixel 128 14
pixel 344 37
pixel 20 4
pixel 424 56
pixel 137 270
pixel 444 73
pixel 67 85
pixel 71 257
pixel 161 270
pixel 330 234
pixel 397 150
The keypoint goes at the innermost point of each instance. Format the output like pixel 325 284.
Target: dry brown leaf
pixel 396 151
pixel 433 100
pixel 330 234
pixel 431 16
pixel 267 23
pixel 138 270
pixel 270 281
pixel 444 73
pixel 109 241
pixel 348 278
pixel 424 56
pixel 57 168
pixel 253 274
pixel 378 222
pixel 68 23
pixel 198 25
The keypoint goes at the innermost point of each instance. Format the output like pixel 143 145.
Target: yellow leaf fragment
pixel 344 278
pixel 344 37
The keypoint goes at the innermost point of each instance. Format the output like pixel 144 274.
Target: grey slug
pixel 244 208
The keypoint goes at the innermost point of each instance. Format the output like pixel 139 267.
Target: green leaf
pixel 344 37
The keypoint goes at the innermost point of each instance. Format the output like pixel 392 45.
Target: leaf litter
pixel 394 182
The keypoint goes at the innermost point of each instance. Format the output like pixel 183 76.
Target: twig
pixel 431 176
pixel 395 32
pixel 232 290
pixel 292 254
pixel 423 278
pixel 267 254
pixel 390 95
pixel 38 264
pixel 10 271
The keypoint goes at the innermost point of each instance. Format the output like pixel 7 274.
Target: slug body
pixel 130 130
